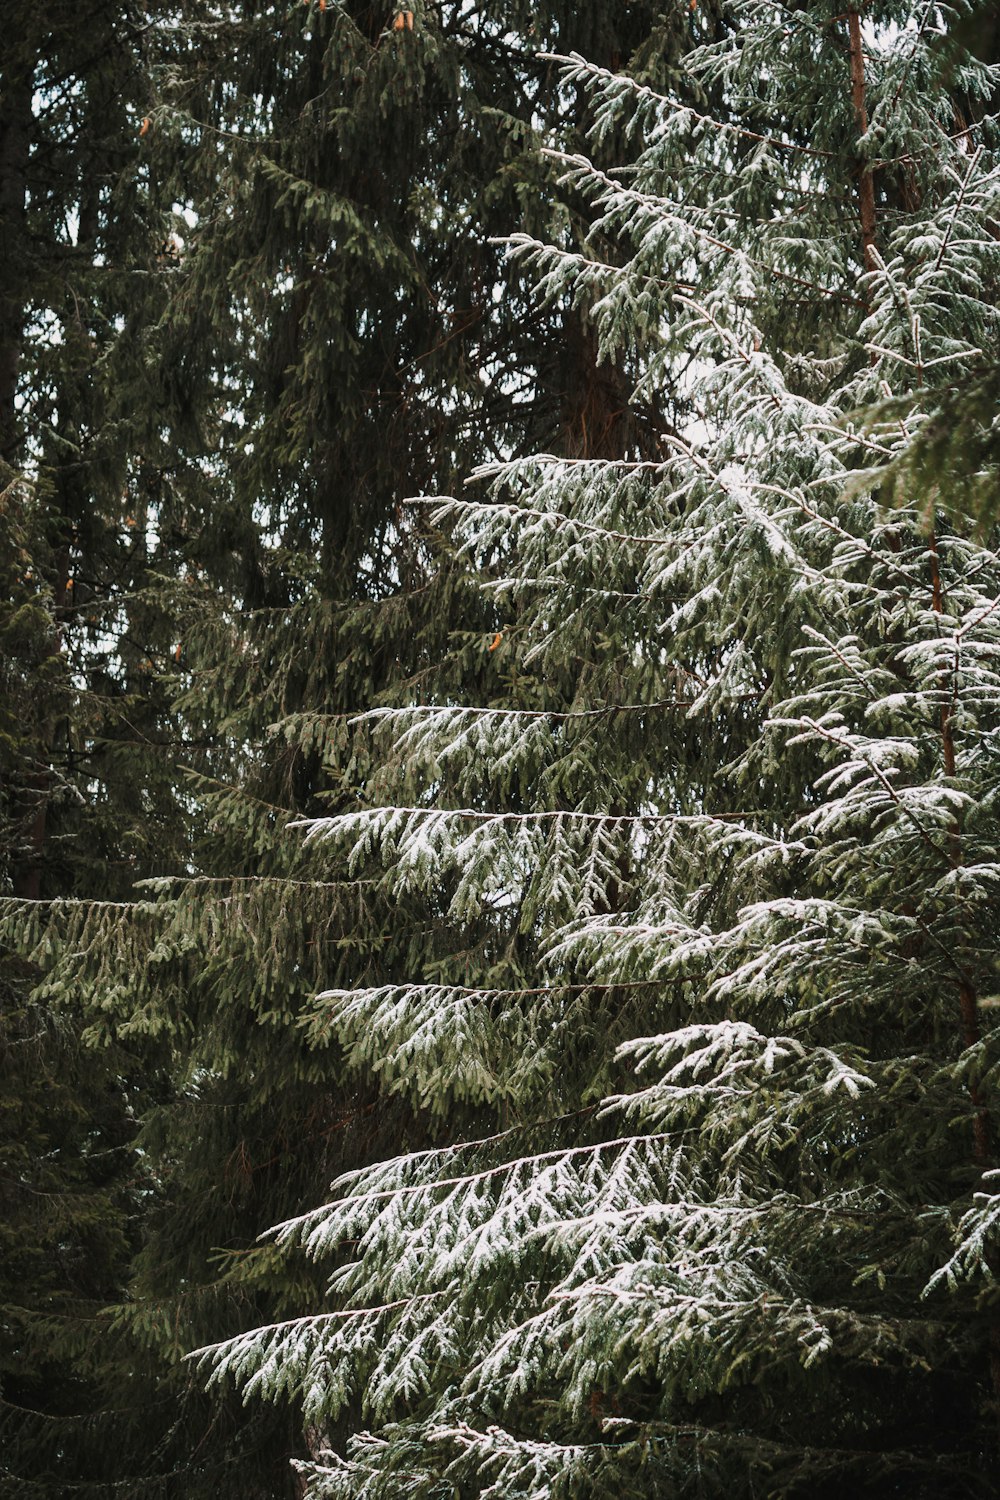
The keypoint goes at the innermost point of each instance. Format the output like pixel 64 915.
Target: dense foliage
pixel 717 859
pixel 249 301
pixel 595 871
pixel 88 803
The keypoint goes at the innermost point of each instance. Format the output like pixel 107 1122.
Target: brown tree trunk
pixel 866 185
pixel 15 140
pixel 595 416
pixel 15 136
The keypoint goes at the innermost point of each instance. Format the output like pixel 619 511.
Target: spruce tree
pixel 328 183
pixel 717 861
pixel 86 799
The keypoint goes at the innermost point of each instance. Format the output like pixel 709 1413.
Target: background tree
pixel 87 804
pixel 311 331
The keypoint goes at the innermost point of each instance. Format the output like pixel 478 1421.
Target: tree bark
pixel 866 185
pixel 15 138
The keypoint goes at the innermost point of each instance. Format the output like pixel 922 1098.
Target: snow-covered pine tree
pixel 729 846
pixel 323 318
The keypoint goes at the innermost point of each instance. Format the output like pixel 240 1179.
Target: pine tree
pixel 722 852
pixel 359 304
pixel 86 801
pixel 327 184
pixel 80 243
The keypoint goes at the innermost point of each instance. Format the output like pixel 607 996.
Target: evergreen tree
pixel 717 863
pixel 324 338
pixel 87 802
pixel 80 249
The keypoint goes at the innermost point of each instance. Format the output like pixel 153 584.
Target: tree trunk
pixel 15 136
pixel 866 185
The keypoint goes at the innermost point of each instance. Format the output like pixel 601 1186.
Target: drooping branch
pixel 968 1002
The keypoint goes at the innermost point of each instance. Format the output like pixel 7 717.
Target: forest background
pixel 252 299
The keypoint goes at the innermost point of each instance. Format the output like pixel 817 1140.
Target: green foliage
pixel 266 260
pixel 713 1034
pixel 87 800
pixel 953 456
